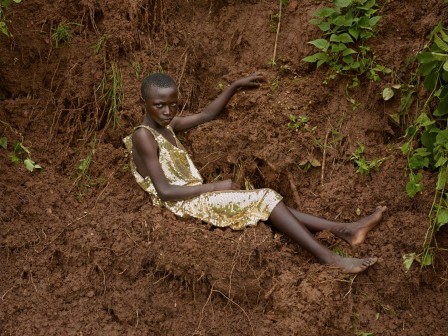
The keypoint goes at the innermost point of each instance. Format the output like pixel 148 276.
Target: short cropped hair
pixel 157 79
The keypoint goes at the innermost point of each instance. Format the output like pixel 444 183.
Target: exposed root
pixel 295 193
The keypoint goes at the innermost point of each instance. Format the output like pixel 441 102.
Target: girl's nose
pixel 167 110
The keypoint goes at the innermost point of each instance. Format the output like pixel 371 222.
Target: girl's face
pixel 161 105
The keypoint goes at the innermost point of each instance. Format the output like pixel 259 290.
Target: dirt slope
pixel 89 255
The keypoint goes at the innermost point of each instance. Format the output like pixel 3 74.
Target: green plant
pixel 62 34
pixel 345 28
pixel 365 166
pixel 297 122
pixel 20 154
pixel 275 84
pixel 99 44
pixel 137 67
pixel 112 89
pixel 3 5
pixel 339 251
pixel 406 91
pixel 426 145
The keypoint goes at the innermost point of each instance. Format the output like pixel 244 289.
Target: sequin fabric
pixel 234 208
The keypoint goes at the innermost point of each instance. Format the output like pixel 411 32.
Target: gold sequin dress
pixel 234 208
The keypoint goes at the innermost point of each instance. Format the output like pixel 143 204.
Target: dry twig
pixel 278 31
pixel 322 172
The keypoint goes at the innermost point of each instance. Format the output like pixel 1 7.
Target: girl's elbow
pixel 166 196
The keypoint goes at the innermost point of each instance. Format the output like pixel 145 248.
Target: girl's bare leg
pixel 284 220
pixel 352 233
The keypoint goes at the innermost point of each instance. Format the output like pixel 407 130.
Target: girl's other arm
pixel 216 106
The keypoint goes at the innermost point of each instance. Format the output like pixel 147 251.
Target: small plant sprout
pixel 309 162
pixel 220 86
pixel 275 84
pixel 100 44
pixel 339 251
pixel 62 34
pixel 297 122
pixel 137 67
pixel 365 166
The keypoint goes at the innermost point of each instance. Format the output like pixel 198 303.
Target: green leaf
pixel 428 139
pixel 316 57
pixel 442 108
pixel 4 28
pixel 29 164
pixel 342 3
pixel 348 51
pixel 354 32
pixel 422 151
pixel 408 259
pixel 374 20
pixel 337 48
pixel 14 158
pixel 442 137
pixel 442 217
pixel 441 179
pixel 431 80
pixel 344 38
pixel 364 22
pixel 426 68
pixel 441 161
pixel 324 26
pixel 423 120
pixel 444 36
pixel 343 21
pixel 418 162
pixel 322 44
pixel 440 57
pixel 414 185
pixel 325 12
pixel 426 259
pixel 410 131
pixel 440 43
pixel 405 148
pixel 348 59
pixel 388 93
pixel 445 66
pixel 3 142
pixel 315 22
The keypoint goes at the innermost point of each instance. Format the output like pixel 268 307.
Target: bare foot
pixel 355 233
pixel 353 265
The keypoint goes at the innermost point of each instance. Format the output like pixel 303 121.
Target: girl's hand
pixel 225 185
pixel 251 81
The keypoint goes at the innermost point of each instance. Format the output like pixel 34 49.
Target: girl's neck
pixel 148 121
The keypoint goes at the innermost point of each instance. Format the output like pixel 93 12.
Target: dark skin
pixel 161 108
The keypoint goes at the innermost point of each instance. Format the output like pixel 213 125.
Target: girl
pixel 163 168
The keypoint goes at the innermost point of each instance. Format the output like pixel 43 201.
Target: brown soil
pixel 93 257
